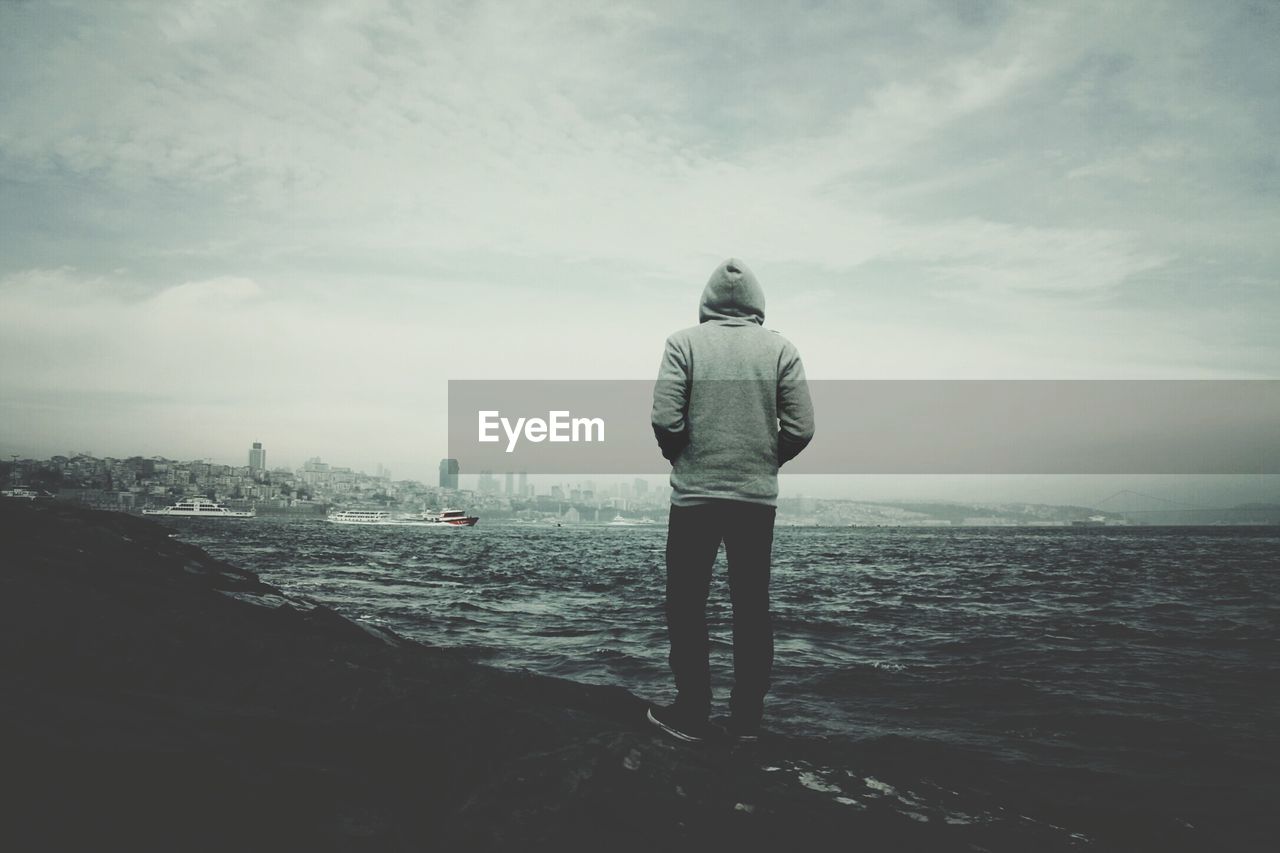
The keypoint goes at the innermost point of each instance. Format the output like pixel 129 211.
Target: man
pixel 730 406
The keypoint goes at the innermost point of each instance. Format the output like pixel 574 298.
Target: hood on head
pixel 732 293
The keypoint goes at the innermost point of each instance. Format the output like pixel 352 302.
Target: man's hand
pixel 671 443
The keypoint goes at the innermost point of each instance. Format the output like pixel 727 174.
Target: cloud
pixel 481 131
pixel 227 292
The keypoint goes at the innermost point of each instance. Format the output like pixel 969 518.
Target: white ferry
pixel 619 521
pixel 25 494
pixel 361 516
pixel 200 508
pixel 446 517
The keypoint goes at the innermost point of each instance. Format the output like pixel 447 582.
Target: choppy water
pixel 1144 659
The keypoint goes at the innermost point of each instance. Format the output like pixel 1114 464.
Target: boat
pixel 619 521
pixel 446 517
pixel 1091 521
pixel 452 518
pixel 200 508
pixel 25 494
pixel 361 516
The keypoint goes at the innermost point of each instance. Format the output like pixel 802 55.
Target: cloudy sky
pixel 223 222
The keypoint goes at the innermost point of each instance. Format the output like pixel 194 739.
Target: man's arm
pixel 671 402
pixel 795 409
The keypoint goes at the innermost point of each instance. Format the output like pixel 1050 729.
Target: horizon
pixel 1179 492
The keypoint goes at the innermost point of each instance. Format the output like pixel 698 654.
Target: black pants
pixel 694 534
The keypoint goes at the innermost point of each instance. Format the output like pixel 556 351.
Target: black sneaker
pixel 737 731
pixel 671 721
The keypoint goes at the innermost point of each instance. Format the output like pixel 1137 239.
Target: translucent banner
pixel 892 426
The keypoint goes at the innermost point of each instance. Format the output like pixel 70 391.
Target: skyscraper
pixel 509 484
pixel 257 458
pixel 524 484
pixel 449 474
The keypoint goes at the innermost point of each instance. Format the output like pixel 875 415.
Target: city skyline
pixel 505 484
pixel 1204 491
pixel 151 483
pixel 294 224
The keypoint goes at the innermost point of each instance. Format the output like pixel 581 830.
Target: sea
pixel 1118 686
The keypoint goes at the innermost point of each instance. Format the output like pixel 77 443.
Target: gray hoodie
pixel 731 403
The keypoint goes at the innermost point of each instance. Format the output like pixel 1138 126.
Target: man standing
pixel 730 406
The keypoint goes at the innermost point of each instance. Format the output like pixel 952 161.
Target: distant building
pixel 449 474
pixel 488 484
pixel 257 458
pixel 524 484
pixel 315 473
pixel 509 484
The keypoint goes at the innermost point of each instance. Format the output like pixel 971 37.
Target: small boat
pixel 200 508
pixel 453 518
pixel 619 521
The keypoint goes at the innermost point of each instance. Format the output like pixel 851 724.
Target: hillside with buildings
pixel 316 487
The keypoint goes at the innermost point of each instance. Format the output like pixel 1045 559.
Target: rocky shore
pixel 157 698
